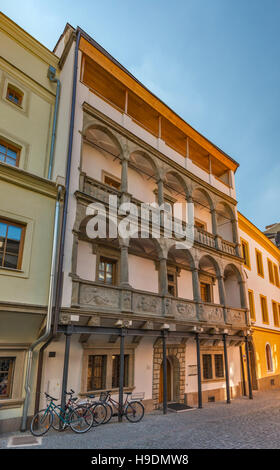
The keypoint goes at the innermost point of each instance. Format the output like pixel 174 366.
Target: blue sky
pixel 215 62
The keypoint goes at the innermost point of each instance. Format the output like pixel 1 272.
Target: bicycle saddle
pixel 52 398
pixel 91 396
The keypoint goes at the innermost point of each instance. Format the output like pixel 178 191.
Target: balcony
pixel 101 192
pixel 92 296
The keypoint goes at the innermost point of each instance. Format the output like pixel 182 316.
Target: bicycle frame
pixel 53 407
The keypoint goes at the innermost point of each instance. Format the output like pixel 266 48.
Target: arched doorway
pixel 169 381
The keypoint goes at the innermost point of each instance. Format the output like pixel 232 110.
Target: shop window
pixel 96 379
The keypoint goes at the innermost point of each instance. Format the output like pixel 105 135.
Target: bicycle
pixel 133 410
pixel 79 419
pixel 58 424
pixel 98 409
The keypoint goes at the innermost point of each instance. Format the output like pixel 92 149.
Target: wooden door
pixel 160 398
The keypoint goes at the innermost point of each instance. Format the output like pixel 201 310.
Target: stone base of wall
pixel 13 424
pixel 269 383
pixel 219 394
pixel 149 405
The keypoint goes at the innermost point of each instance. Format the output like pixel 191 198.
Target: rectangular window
pixel 245 253
pixel 113 182
pixel 252 305
pixel 9 154
pixel 270 271
pixel 96 378
pixel 200 224
pixel 116 370
pixel 275 313
pixel 205 292
pixel 11 244
pixel 219 366
pixel 264 309
pixel 172 283
pixel 107 271
pixel 6 376
pixel 207 366
pixel 259 261
pixel 14 95
pixel 276 275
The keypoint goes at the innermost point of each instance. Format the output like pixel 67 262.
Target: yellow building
pixel 29 192
pixel 261 265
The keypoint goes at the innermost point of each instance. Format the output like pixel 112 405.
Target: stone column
pixel 124 178
pixel 74 255
pixel 163 283
pixel 214 221
pixel 124 275
pixel 160 192
pixel 222 292
pixel 196 285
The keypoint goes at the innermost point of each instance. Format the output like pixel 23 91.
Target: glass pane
pixel 10 161
pixel 109 278
pixel 2 158
pixel 12 247
pixel 3 230
pixel 14 233
pixel 10 261
pixel 101 266
pixel 2 149
pixel 219 365
pixel 11 153
pixel 109 267
pixel 101 276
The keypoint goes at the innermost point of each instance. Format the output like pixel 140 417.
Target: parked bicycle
pixel 98 409
pixel 79 418
pixel 133 410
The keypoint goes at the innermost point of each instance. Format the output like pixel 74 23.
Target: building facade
pixel 261 265
pixel 185 308
pixel 31 190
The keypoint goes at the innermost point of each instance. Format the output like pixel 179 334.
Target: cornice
pixel 126 133
pixel 256 234
pixel 26 180
pixel 27 41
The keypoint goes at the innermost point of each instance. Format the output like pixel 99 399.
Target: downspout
pixel 45 336
pixel 52 78
pixel 59 285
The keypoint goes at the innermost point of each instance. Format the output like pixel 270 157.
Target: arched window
pixel 268 357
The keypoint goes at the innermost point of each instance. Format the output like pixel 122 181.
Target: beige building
pixel 127 143
pixel 30 188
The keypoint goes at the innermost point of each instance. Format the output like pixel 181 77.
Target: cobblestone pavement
pixel 244 424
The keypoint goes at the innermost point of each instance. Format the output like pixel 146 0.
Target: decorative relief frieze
pixel 99 297
pixel 143 303
pixel 184 310
pixel 235 317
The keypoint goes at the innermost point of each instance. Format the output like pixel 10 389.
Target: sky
pixel 214 62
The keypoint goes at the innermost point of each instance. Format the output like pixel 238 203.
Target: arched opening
pixel 142 259
pixel 209 280
pixel 268 355
pixel 233 286
pixel 173 379
pixel 203 206
pixel 142 177
pixel 180 265
pixel 101 156
pixel 225 222
pixel 175 195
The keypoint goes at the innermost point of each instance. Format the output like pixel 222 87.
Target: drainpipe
pixel 59 284
pixel 52 78
pixel 45 336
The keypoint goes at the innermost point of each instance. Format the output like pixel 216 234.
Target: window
pixel 275 309
pixel 200 224
pixel 116 370
pixel 9 154
pixel 205 292
pixel 219 366
pixel 270 271
pixel 96 378
pixel 113 182
pixel 172 282
pixel 276 275
pixel 6 376
pixel 264 309
pixel 107 271
pixel 252 305
pixel 11 244
pixel 259 263
pixel 268 354
pixel 213 366
pixel 207 366
pixel 14 95
pixel 245 253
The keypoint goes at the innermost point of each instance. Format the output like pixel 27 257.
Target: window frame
pixel 107 260
pixel 269 359
pixel 275 311
pixel 261 271
pixel 113 178
pixel 247 249
pixel 10 377
pixel 252 314
pixel 276 274
pixel 103 372
pixel 172 271
pixel 213 354
pixel 209 291
pixel 12 147
pixel 21 245
pixel 270 269
pixel 266 307
pixel 17 91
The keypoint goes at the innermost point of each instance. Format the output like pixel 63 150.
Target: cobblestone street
pixel 244 424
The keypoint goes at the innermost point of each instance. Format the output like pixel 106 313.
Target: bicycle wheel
pixel 109 412
pixel 41 422
pixel 81 419
pixel 99 413
pixel 58 424
pixel 134 411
